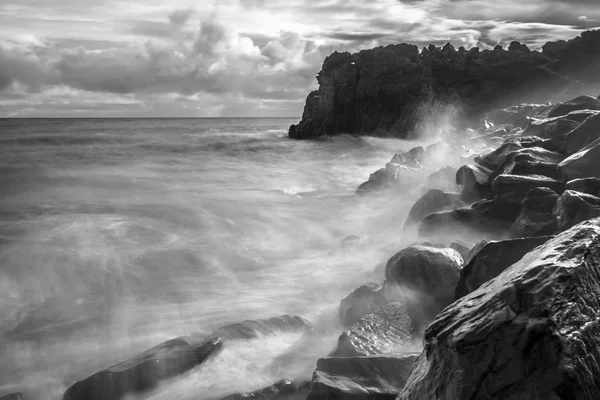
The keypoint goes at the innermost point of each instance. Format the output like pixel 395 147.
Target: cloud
pixel 224 55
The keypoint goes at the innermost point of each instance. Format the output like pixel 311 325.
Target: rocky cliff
pixel 384 91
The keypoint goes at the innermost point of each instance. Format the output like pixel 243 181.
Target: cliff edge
pixel 383 91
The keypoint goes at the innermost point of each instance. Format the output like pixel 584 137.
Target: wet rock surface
pixel 389 330
pixel 144 371
pixel 531 332
pixel 433 201
pixel 282 390
pixel 535 217
pixel 583 164
pixel 585 185
pixel 361 378
pixel 514 188
pixel 574 207
pixel 363 301
pixel 492 259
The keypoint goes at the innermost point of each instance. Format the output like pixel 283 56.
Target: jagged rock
pixel 530 333
pixel 363 301
pixel 412 158
pixel 21 396
pixel 517 115
pixel 463 222
pixel 282 390
pixel 360 378
pixel 387 177
pixel 513 188
pixel 474 181
pixel 535 218
pixel 143 372
pixel 550 127
pixel 492 259
pixel 583 164
pixel 431 272
pixel 433 201
pixel 585 185
pixel 574 207
pixel 497 158
pixel 578 138
pixel 387 331
pixel 385 90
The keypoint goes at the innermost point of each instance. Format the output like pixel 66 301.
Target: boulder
pixel 474 181
pixel 530 333
pixel 251 329
pixel 513 188
pixel 497 209
pixel 578 103
pixel 430 272
pixel 363 301
pixel 531 161
pixel 583 164
pixel 535 218
pixel 574 207
pixel 144 371
pixel 361 378
pixel 412 158
pixel 551 127
pixel 388 177
pixel 585 185
pixel 387 331
pixel 282 390
pixel 580 137
pixel 467 223
pixel 443 179
pixel 492 259
pixel 433 201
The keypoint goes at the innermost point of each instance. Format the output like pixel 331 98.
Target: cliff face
pixel 381 91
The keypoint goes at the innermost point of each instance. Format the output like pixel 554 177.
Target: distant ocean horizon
pixel 119 233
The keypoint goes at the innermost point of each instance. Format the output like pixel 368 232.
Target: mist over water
pixel 116 235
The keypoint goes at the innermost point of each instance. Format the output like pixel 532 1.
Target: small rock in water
pixel 143 372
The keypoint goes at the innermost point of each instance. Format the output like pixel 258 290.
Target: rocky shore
pixel 500 297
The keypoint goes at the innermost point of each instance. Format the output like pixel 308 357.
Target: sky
pixel 223 58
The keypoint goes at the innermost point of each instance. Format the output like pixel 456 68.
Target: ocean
pixel 118 234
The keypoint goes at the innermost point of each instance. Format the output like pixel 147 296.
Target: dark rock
pixel 463 222
pixel 388 177
pixel 412 158
pixel 551 127
pixel 385 90
pixel 363 301
pixel 282 390
pixel 387 331
pixel 462 250
pixel 518 115
pixel 578 103
pixel 497 209
pixel 361 378
pixel 574 207
pixel 530 333
pixel 431 272
pixel 535 218
pixel 583 164
pixel 251 329
pixel 143 372
pixel 21 396
pixel 585 185
pixel 580 137
pixel 497 158
pixel 513 188
pixel 474 181
pixel 433 201
pixel 492 259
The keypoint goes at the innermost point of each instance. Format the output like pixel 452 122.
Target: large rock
pixel 387 331
pixel 585 185
pixel 583 164
pixel 492 259
pixel 550 127
pixel 530 333
pixel 580 137
pixel 579 103
pixel 282 390
pixel 497 209
pixel 433 201
pixel 531 161
pixel 363 301
pixel 144 371
pixel 513 188
pixel 388 90
pixel 475 182
pixel 574 207
pixel 467 223
pixel 360 378
pixel 536 218
pixel 430 272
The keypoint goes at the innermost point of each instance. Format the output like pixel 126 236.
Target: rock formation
pixel 382 91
